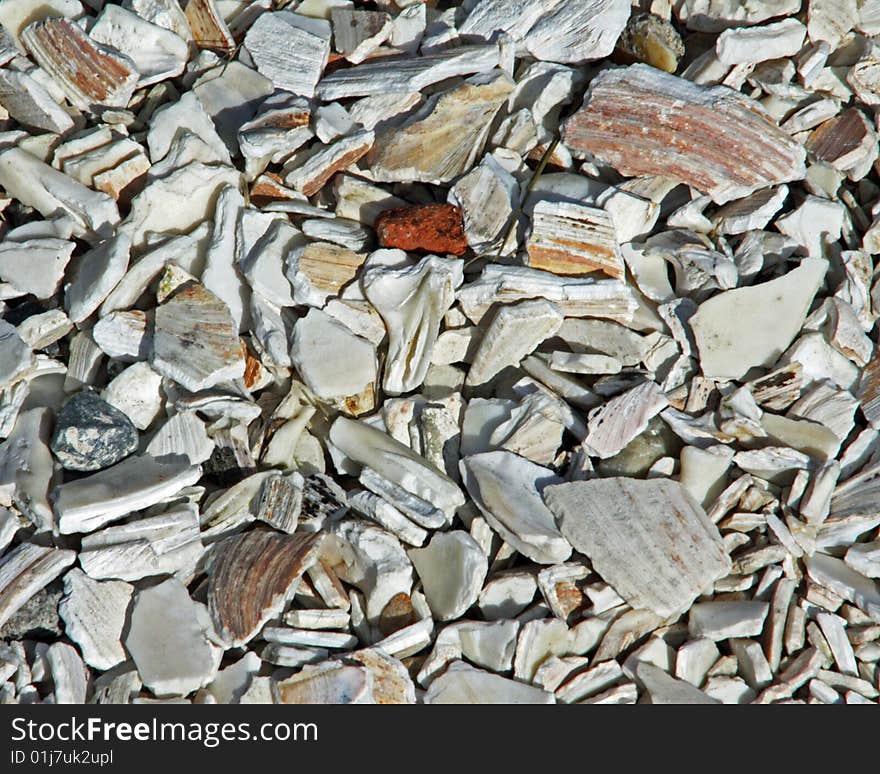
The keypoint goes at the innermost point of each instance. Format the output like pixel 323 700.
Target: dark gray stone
pixel 38 617
pixel 90 434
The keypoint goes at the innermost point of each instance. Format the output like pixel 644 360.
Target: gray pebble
pixel 90 434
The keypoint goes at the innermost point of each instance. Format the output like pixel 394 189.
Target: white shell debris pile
pixel 426 351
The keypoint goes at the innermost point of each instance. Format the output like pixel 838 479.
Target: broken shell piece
pixel 406 76
pixel 94 215
pixel 412 302
pixel 356 34
pixel 94 615
pixel 26 467
pixel 157 53
pixel 333 362
pixel 252 576
pixel 24 571
pixel 168 639
pixel 575 296
pixel 573 239
pixel 29 103
pixel 515 331
pixel 135 483
pixel 98 272
pixel 320 270
pixel 47 259
pixel 137 393
pixel 373 560
pixel 650 540
pixel 847 142
pixel 290 49
pixel 486 196
pixel 91 75
pixel 463 684
pixel 507 489
pixel 452 568
pixel 721 620
pixel 309 170
pixel 758 44
pixel 752 326
pixel 629 115
pixel 614 425
pixel 331 683
pixel 209 29
pixel 443 139
pixel 195 342
pixel 372 448
pixel 182 437
pixel 156 545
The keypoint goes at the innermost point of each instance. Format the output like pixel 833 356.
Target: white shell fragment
pixel 138 481
pixel 169 640
pixel 452 568
pixel 507 490
pixel 412 302
pixel 513 333
pixel 649 539
pixel 776 311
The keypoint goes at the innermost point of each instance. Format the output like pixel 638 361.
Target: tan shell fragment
pixel 251 577
pixel 309 176
pixel 573 239
pixel 323 269
pixel 195 340
pixel 650 540
pixel 444 139
pixel 208 27
pixel 89 74
pixel 645 122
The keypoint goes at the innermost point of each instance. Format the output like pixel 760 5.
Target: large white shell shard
pixel 135 483
pixel 650 540
pixel 752 326
pixel 157 53
pixel 333 361
pixel 169 640
pixel 51 192
pixel 452 568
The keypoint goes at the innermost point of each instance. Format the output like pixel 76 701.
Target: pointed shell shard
pixel 650 540
pixel 506 488
pixel 643 121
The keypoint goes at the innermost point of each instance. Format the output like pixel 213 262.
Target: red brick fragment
pixel 428 228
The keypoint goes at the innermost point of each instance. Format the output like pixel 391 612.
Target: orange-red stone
pixel 428 228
